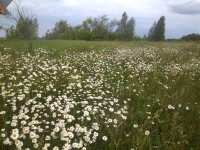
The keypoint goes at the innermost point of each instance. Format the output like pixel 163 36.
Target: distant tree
pixel 26 25
pixel 144 37
pixel 122 25
pixel 101 27
pixel 151 31
pixel 94 28
pixel 75 33
pixel 97 28
pixel 60 31
pixel 86 32
pixel 157 31
pixel 160 29
pixel 129 29
pixel 125 30
pixel 191 37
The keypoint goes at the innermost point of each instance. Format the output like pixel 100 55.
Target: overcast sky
pixel 182 16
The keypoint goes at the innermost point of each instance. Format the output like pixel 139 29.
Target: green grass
pixel 142 95
pixel 82 46
pixel 62 45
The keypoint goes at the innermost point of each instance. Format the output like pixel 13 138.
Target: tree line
pixel 92 28
pixel 191 37
pixel 96 28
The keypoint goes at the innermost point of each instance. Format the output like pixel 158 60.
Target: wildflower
pixel 170 106
pixel 115 121
pixel 34 140
pixel 85 113
pixel 14 134
pixel 95 134
pixel 56 129
pixel 75 145
pixel 111 109
pixel 80 144
pixel 35 145
pixel 47 138
pixel 109 120
pixel 135 126
pixel 25 130
pixel 46 146
pixel 13 124
pixel 187 108
pixel 104 138
pixel 39 95
pixel 67 147
pixel 15 131
pixel 88 118
pixel 123 117
pixel 32 135
pixel 56 148
pixel 18 143
pixel 2 112
pixel 70 135
pixel 95 126
pixel 23 122
pixel 147 132
pixel 7 141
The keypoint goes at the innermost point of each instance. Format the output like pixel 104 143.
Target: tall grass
pixel 108 95
pixel 82 46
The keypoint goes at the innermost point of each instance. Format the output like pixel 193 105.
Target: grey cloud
pixel 190 7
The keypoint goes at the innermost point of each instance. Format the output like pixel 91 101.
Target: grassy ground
pixel 111 95
pixel 62 45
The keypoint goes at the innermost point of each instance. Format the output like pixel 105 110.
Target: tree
pixel 86 31
pixel 60 31
pixel 157 31
pixel 151 31
pixel 94 28
pixel 122 24
pixel 191 37
pixel 98 28
pixel 26 25
pixel 129 29
pixel 160 29
pixel 126 28
pixel 26 28
pixel 101 27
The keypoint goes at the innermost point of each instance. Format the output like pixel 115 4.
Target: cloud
pixel 187 8
pixel 145 12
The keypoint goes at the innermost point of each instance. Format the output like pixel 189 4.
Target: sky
pixel 182 16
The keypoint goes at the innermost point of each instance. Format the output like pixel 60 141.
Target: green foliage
pixel 126 28
pixel 122 24
pixel 191 37
pixel 96 28
pixel 26 28
pixel 151 31
pixel 157 31
pixel 60 31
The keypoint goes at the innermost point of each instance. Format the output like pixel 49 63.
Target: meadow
pixel 99 95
